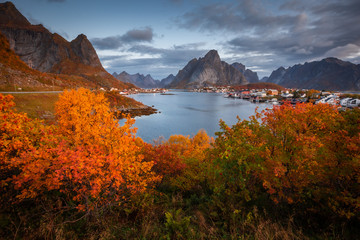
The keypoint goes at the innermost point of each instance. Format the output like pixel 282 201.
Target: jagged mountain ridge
pixel 328 74
pixel 250 76
pixel 142 81
pixel 165 82
pixel 207 71
pixel 47 52
pixel 138 79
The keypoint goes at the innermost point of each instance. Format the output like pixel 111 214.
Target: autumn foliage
pixel 301 160
pixel 87 156
pixel 302 156
pixel 180 160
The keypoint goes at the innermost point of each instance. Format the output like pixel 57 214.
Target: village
pixel 264 95
pixel 293 96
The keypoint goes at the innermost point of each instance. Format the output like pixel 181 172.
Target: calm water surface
pixel 186 113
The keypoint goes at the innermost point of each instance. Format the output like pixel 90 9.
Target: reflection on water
pixel 197 109
pixel 187 112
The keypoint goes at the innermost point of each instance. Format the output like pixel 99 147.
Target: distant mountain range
pixel 142 81
pixel 33 57
pixel 51 53
pixel 327 74
pixel 202 72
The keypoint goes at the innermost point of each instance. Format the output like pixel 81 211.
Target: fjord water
pixel 186 113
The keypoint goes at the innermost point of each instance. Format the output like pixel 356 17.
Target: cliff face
pixel 16 74
pixel 328 74
pixel 277 76
pixel 47 52
pixel 250 76
pixel 207 71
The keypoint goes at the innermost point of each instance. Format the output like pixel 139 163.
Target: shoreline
pixel 135 112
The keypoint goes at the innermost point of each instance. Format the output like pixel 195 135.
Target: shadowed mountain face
pixel 137 79
pixel 207 71
pixel 142 81
pixel 250 76
pixel 47 52
pixel 15 74
pixel 328 74
pixel 166 81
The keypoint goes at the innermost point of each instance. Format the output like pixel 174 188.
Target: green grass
pixel 42 105
pixel 36 105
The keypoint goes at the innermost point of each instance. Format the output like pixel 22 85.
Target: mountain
pixel 137 79
pixel 15 74
pixel 166 81
pixel 328 74
pixel 277 76
pixel 47 52
pixel 250 76
pixel 264 79
pixel 207 71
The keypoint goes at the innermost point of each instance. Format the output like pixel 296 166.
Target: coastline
pixel 42 105
pixel 135 111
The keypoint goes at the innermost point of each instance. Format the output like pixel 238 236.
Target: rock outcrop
pixel 16 75
pixel 328 74
pixel 250 76
pixel 207 71
pixel 47 52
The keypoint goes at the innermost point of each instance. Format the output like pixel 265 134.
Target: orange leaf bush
pixel 180 160
pixel 87 156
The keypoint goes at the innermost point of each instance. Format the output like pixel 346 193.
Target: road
pixel 30 92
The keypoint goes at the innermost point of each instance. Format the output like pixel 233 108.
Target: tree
pixel 180 160
pixel 303 154
pixel 87 157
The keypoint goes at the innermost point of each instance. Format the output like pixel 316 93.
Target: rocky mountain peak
pixel 80 37
pixel 207 71
pixel 84 49
pixel 250 76
pixel 47 52
pixel 212 57
pixel 239 66
pixel 10 16
pixel 333 60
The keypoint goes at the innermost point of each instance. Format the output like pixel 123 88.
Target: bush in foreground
pixel 285 173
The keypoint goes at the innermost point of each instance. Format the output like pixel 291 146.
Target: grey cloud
pixel 348 52
pixel 159 63
pixel 178 55
pixel 247 17
pixel 138 35
pixel 114 42
pixel 297 31
pixel 56 0
pixel 130 37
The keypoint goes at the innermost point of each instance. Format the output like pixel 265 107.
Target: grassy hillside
pixel 42 105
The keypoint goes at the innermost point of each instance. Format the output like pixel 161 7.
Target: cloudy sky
pixel 159 37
